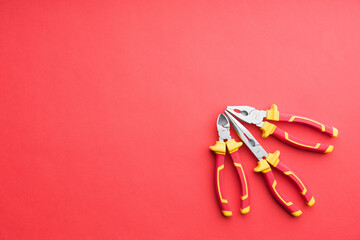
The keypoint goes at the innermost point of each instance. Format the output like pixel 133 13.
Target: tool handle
pixel 302 144
pixel 274 115
pixel 245 201
pixel 305 192
pixel 331 131
pixel 280 198
pixel 222 200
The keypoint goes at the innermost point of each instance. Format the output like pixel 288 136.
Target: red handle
pixel 307 195
pixel 222 200
pixel 274 115
pixel 298 143
pixel 245 202
pixel 274 189
pixel 331 131
pixel 264 167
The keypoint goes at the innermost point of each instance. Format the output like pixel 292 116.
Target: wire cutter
pixel 263 166
pixel 223 127
pixel 251 115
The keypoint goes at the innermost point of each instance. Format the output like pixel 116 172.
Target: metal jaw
pixel 247 138
pixel 248 114
pixel 223 127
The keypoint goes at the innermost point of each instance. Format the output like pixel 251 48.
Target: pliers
pixel 265 159
pixel 251 115
pixel 223 127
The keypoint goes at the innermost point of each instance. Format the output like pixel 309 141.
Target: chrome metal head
pixel 223 127
pixel 247 138
pixel 247 114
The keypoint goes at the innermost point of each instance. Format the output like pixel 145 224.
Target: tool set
pixel 265 160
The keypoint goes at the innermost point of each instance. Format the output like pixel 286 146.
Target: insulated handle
pixel 270 129
pixel 245 201
pixel 331 131
pixel 220 150
pixel 274 115
pixel 280 198
pixel 222 200
pixel 302 144
pixel 271 183
pixel 305 192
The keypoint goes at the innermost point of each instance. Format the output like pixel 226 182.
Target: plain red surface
pixel 107 110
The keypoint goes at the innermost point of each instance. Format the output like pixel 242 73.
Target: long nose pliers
pixel 265 160
pixel 251 115
pixel 223 127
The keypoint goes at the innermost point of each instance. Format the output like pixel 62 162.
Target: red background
pixel 108 109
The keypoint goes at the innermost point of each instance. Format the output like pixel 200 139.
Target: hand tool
pixel 254 116
pixel 223 127
pixel 264 167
